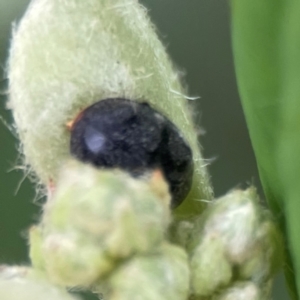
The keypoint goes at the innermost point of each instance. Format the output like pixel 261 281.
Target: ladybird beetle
pixel 131 135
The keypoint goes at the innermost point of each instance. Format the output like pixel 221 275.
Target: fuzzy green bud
pixel 235 235
pixel 96 218
pixel 19 283
pixel 210 269
pixel 241 291
pixel 69 54
pixel 161 276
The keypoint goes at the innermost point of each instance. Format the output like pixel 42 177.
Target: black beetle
pixel 131 135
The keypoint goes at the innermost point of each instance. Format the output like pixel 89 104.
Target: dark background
pixel 197 36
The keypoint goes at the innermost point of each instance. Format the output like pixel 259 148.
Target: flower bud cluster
pixel 235 249
pixel 107 228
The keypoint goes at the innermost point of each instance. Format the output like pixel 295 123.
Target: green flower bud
pixel 241 291
pixel 267 258
pixel 235 239
pixel 66 55
pixel 161 276
pixel 96 218
pixel 210 269
pixel 19 283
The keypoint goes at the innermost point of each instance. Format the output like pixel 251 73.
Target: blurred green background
pixel 197 36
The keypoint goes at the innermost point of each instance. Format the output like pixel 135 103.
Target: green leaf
pixel 266 43
pixel 256 48
pixel 289 133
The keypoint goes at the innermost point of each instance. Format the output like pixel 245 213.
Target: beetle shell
pixel 131 135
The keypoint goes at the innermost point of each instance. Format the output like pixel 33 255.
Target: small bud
pixel 94 219
pixel 161 276
pixel 241 291
pixel 20 283
pixel 210 269
pixel 235 235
